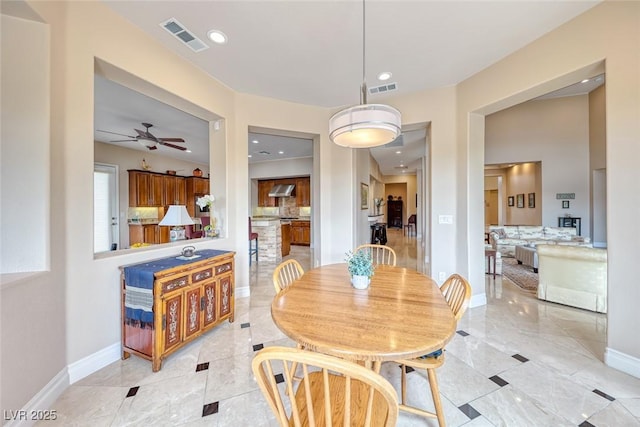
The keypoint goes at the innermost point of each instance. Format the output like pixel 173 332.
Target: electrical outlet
pixel 442 275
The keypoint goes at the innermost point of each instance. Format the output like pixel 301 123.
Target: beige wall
pixel 555 132
pixel 84 291
pixel 524 179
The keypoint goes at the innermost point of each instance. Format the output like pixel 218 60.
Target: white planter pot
pixel 360 282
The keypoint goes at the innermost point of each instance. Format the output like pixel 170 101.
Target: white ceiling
pixel 310 52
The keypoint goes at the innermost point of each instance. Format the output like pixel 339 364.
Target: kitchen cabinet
pixel 145 189
pixel 264 186
pixel 175 190
pixel 148 233
pixel 303 191
pixel 301 233
pixel 286 238
pixel 189 298
pixel 196 187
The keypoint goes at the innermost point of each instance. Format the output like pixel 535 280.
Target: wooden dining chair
pixel 332 392
pixel 286 273
pixel 457 293
pixel 380 254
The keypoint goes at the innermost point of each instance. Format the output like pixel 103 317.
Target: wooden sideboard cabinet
pixel 171 301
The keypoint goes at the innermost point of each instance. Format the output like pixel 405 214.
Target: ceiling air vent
pixel 185 36
pixel 389 87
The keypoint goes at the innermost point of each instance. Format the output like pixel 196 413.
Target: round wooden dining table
pixel 401 315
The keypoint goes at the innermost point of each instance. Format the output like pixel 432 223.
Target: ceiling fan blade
pixel 177 147
pixel 115 133
pixel 171 139
pixel 152 147
pixel 145 135
pixel 124 140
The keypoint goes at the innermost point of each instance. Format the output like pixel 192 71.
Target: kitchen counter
pixel 269 238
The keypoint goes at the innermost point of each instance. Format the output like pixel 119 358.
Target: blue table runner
pixel 139 280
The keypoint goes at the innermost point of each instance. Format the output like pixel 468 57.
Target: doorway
pixel 106 234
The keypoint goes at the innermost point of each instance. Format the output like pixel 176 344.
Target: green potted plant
pixel 360 266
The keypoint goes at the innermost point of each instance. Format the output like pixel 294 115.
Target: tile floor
pixel 515 362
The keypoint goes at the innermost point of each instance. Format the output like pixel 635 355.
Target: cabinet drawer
pixel 223 268
pixel 201 275
pixel 173 284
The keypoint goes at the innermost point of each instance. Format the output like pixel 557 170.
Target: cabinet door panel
pixel 172 313
pixel 156 189
pixel 225 296
pixel 209 306
pixel 192 312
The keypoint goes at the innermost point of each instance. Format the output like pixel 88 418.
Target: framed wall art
pixel 510 200
pixel 364 196
pixel 532 200
pixel 565 204
pixel 520 200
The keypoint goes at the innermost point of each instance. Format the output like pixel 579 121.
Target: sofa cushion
pixel 559 233
pixel 501 233
pixel 531 231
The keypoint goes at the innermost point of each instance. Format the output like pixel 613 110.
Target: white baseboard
pixel 92 363
pixel 43 400
pixel 242 292
pixel 478 300
pixel 622 362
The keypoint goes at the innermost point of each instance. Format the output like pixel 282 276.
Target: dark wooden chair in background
pixel 410 225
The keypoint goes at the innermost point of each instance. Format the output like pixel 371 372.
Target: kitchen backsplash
pixel 143 213
pixel 287 207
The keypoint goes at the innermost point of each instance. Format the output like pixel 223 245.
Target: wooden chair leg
pixel 403 380
pixel 435 393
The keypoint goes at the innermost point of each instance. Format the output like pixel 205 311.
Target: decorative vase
pixel 360 282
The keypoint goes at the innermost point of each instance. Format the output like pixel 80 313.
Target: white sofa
pixel 505 238
pixel 573 275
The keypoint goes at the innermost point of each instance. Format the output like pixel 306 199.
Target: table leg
pixel 494 266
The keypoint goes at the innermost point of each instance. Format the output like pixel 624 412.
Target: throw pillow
pixel 501 233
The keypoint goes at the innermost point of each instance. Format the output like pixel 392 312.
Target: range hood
pixel 282 190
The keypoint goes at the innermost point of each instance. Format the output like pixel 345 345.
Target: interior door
pixel 106 234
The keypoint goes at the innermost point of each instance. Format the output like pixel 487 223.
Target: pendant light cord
pixel 363 88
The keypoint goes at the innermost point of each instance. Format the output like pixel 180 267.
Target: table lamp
pixel 176 217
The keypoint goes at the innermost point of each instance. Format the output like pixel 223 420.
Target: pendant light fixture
pixel 365 125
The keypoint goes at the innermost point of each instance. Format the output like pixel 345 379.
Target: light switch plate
pixel 445 219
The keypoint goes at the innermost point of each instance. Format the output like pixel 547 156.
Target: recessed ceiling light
pixel 401 165
pixel 217 36
pixel 280 152
pixel 398 152
pixel 385 75
pixel 188 151
pixel 255 141
pixel 249 155
pixel 584 81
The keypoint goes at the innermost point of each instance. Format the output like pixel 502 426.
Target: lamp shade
pixel 365 126
pixel 176 215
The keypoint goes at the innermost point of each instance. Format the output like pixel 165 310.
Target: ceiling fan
pixel 148 139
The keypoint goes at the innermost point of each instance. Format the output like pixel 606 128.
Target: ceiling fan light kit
pixel 365 125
